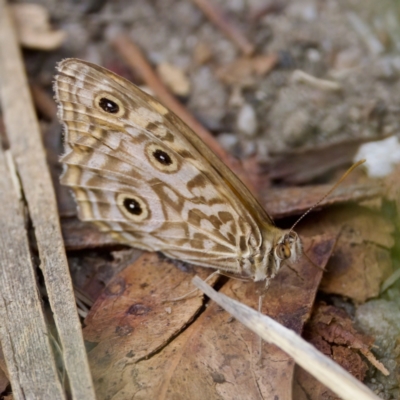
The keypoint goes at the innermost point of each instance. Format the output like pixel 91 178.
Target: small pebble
pixel 247 120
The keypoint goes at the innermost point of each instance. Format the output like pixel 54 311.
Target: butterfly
pixel 140 173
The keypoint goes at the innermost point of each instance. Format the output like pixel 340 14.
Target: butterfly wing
pixel 140 173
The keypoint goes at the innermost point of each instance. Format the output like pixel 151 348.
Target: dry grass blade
pixel 323 368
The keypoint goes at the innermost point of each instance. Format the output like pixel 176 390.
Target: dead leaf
pixel 285 202
pixel 302 165
pixel 350 360
pixel 361 260
pixel 129 320
pixel 332 332
pixel 91 271
pixel 335 326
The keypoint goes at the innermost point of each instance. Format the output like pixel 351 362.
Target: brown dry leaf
pixel 335 326
pixel 152 350
pixel 302 165
pixel 361 260
pixel 306 387
pixel 243 70
pixel 285 202
pixel 33 28
pixel 357 271
pixel 91 271
pixel 331 331
pixel 134 302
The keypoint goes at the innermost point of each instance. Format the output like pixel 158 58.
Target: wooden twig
pixel 30 163
pixel 136 60
pixel 215 15
pixel 323 368
pixel 24 336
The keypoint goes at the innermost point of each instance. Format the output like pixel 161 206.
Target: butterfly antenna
pixel 329 192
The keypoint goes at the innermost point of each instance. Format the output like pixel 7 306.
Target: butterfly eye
pixel 282 251
pixel 162 159
pixel 108 105
pixel 133 207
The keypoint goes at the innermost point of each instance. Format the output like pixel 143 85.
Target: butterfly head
pixel 286 248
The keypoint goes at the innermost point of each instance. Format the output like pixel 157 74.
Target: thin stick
pixel 215 15
pixel 344 176
pixel 260 343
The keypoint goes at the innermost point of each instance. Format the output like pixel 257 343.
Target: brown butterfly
pixel 141 174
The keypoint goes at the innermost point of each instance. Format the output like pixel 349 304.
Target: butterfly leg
pixel 313 263
pixel 260 343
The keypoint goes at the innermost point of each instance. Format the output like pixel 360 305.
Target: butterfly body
pixel 138 172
